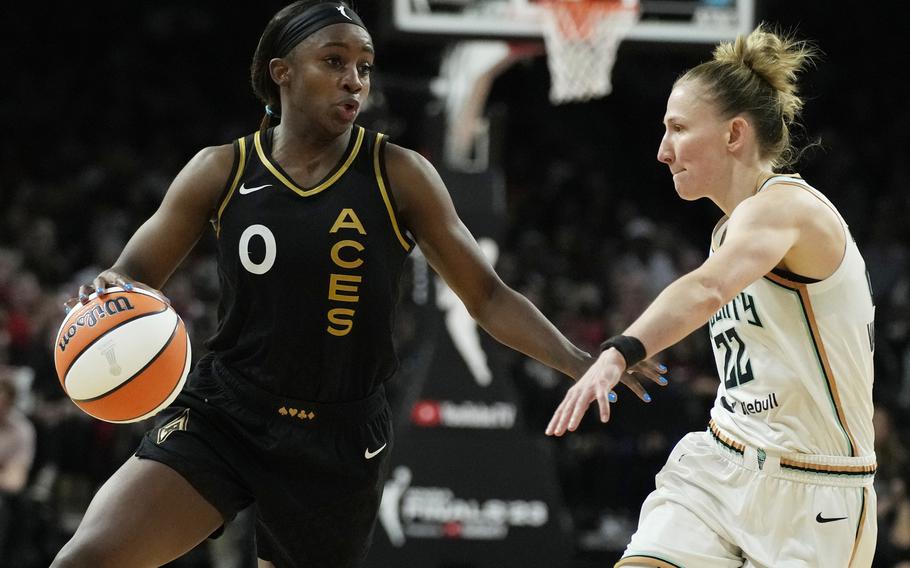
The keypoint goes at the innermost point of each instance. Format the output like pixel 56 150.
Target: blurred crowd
pixel 594 232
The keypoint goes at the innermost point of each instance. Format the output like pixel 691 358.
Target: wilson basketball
pixel 122 357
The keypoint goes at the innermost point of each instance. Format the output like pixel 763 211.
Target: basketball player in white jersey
pixel 782 476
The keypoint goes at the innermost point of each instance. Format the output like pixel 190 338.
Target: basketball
pixel 122 357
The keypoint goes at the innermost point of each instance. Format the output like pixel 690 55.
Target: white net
pixel 581 38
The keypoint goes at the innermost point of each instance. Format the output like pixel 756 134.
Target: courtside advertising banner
pixel 469 485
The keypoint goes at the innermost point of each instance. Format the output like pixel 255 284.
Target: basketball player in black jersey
pixel 314 219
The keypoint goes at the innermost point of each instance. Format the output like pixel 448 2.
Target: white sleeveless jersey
pixel 795 357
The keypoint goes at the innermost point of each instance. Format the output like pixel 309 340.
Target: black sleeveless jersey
pixel 309 276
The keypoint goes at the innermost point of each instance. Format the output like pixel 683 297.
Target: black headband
pixel 310 21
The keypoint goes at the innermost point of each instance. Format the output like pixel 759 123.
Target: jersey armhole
pixel 233 179
pixel 382 180
pixel 798 278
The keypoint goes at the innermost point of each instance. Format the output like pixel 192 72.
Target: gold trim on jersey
pixel 640 559
pixel 322 186
pixel 822 355
pixel 377 167
pixel 240 166
pixel 829 469
pixel 794 463
pixel 730 443
pixel 860 526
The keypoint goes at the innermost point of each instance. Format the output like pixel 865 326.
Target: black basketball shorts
pixel 315 471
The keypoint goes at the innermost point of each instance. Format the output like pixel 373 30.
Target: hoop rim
pixel 576 19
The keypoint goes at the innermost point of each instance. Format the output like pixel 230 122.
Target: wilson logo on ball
pixel 97 312
pixel 122 357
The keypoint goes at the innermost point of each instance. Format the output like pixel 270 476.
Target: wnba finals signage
pixel 439 512
pixel 469 485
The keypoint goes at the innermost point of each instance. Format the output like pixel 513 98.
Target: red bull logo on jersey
pixel 756 406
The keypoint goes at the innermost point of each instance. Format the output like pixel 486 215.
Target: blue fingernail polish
pixel 647 397
pixel 663 368
pixel 612 397
pixel 83 298
pixel 662 380
pixel 128 287
pixel 66 309
pixel 100 291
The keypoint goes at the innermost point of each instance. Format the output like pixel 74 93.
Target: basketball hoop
pixel 581 38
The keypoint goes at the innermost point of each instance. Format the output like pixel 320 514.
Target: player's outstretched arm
pixel 760 233
pixel 427 210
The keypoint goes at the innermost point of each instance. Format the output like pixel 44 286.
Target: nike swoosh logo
pixel 820 519
pixel 245 190
pixel 370 455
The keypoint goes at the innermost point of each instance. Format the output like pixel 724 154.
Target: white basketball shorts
pixel 721 504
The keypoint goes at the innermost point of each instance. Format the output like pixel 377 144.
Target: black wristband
pixel 631 349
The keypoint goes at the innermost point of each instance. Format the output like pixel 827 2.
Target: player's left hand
pixel 597 384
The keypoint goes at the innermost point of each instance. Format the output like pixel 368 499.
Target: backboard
pixel 685 21
pixel 484 37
